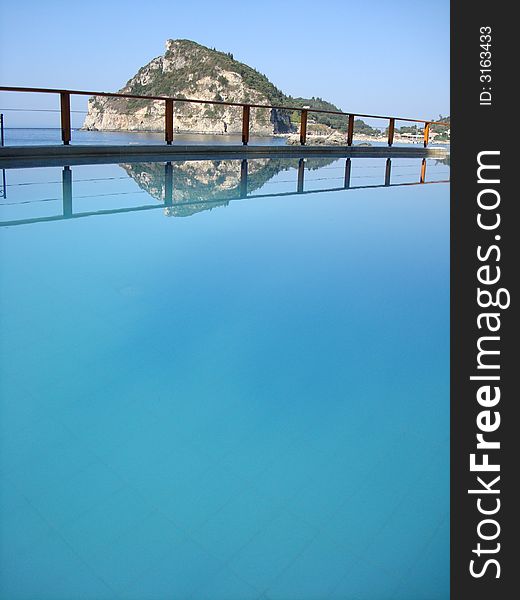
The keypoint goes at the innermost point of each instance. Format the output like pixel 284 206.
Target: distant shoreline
pixel 337 138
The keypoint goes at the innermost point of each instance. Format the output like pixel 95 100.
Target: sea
pixel 52 136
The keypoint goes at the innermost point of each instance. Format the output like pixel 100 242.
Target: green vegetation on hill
pixel 441 130
pixel 334 121
pixel 202 62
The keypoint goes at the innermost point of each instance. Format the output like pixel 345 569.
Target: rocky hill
pixel 190 70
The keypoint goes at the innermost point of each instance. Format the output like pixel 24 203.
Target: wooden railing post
pixel 391 129
pixel 303 127
pixel 246 111
pixel 65 117
pixel 426 133
pixel 168 121
pixel 350 132
pixel 423 171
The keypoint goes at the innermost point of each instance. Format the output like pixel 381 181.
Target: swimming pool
pixel 225 380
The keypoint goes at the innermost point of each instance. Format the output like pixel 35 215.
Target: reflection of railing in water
pixel 168 202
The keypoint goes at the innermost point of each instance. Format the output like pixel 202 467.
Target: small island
pixel 190 70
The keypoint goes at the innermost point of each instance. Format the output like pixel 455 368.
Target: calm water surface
pixel 38 136
pixel 217 388
pixel 52 136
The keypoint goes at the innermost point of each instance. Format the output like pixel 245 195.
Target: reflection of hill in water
pixel 209 183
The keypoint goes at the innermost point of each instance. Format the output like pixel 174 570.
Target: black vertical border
pixel 476 128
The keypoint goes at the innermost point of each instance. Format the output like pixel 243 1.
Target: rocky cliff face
pixel 189 70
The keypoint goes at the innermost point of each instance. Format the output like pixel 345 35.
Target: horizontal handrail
pixel 246 107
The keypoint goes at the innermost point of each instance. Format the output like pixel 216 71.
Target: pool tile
pixel 99 527
pixel 20 529
pixel 178 574
pixel 82 492
pixel 271 550
pixel 426 577
pixel 50 570
pixel 363 581
pixel 225 585
pixel 191 502
pixel 232 526
pixel 313 573
pixel 51 468
pixel 421 508
pixel 21 447
pixel 154 543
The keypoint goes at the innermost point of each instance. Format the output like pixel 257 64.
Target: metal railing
pixel 65 112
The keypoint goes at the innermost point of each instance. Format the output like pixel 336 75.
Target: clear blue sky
pixel 368 56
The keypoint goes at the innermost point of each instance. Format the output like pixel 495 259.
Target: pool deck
pixel 23 156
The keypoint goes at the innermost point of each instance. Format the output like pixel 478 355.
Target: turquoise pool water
pixel 217 388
